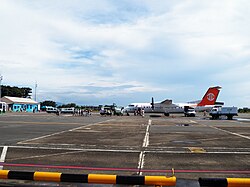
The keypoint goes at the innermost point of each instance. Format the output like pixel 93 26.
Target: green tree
pixel 14 91
pixel 244 110
pixel 48 103
pixel 26 92
pixel 69 105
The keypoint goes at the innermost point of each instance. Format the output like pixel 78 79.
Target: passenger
pixel 57 112
pixel 142 112
pixel 87 112
pixel 109 113
pixel 139 111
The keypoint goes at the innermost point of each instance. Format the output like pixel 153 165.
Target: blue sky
pixel 105 51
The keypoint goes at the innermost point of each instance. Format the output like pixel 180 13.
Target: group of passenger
pixel 139 112
pixel 81 112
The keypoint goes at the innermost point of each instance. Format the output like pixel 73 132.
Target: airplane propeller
pixel 153 104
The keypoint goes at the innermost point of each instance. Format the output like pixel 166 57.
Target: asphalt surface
pixel 126 145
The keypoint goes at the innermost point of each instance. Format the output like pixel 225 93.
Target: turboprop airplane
pixel 167 106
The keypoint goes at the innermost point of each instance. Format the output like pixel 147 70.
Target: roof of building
pixel 11 100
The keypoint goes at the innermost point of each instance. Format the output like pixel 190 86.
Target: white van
pixel 3 107
pixel 51 109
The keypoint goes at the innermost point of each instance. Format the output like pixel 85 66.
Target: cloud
pixel 118 49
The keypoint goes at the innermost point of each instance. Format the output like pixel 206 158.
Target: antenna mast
pixel 1 78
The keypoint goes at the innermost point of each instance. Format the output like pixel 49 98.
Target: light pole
pixel 35 90
pixel 1 78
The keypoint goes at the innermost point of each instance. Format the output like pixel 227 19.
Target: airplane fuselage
pixel 166 106
pixel 158 108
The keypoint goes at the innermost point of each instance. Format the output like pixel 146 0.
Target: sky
pixel 93 52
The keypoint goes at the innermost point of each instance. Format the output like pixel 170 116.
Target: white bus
pixel 51 109
pixel 68 110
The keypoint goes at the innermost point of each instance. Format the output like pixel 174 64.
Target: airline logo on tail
pixel 210 96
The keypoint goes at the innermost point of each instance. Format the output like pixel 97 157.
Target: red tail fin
pixel 210 96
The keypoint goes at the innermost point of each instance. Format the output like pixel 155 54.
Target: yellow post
pixel 160 180
pixel 47 176
pixel 101 179
pixel 238 182
pixel 4 174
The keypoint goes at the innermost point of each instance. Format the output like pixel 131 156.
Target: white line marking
pixel 191 121
pixel 41 137
pixel 146 138
pixel 142 153
pixel 242 119
pixel 188 152
pixel 61 132
pixel 144 145
pixel 78 149
pixel 233 133
pixel 141 162
pixel 125 148
pixel 47 155
pixel 42 123
pixel 3 155
pixel 77 128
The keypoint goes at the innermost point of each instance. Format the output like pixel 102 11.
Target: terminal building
pixel 17 104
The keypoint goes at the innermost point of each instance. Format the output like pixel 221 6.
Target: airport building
pixel 17 104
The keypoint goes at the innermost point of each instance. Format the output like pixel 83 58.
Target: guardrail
pixel 89 178
pixel 119 179
pixel 224 182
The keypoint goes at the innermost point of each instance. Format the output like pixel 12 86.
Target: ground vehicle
pixel 68 110
pixel 118 111
pixel 190 112
pixel 111 110
pixel 51 109
pixel 224 111
pixel 3 107
pixel 106 111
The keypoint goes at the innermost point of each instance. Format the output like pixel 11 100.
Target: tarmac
pixel 125 145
